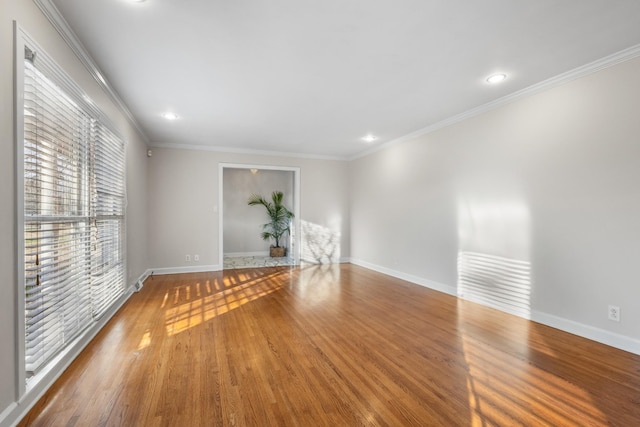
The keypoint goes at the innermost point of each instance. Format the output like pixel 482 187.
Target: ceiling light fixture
pixel 369 138
pixel 496 78
pixel 170 116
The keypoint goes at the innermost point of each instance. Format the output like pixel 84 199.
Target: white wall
pixel 7 212
pixel 33 22
pixel 242 225
pixel 547 186
pixel 183 199
pixel 542 193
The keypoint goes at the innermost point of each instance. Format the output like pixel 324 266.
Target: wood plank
pixel 332 345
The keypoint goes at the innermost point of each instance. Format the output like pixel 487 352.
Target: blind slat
pixel 74 192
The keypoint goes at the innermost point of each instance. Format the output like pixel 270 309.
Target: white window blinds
pixel 74 211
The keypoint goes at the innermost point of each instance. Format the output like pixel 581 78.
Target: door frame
pixel 295 235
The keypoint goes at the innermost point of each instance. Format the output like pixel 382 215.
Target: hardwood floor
pixel 332 346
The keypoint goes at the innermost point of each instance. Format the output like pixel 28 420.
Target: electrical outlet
pixel 614 313
pixel 187 258
pixel 196 257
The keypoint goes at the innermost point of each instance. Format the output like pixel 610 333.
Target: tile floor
pixel 255 261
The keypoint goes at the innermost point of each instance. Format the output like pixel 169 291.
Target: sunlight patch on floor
pixel 192 307
pixel 501 393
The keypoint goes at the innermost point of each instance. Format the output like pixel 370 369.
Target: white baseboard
pixel 602 336
pixel 189 269
pixel 16 411
pixel 9 411
pixel 245 254
pixel 137 285
pixel 451 290
pixel 525 313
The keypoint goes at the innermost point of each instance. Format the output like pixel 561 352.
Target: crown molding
pixel 56 19
pixel 60 24
pixel 245 151
pixel 561 79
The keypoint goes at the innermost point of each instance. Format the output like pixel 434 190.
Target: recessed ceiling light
pixel 369 138
pixel 496 78
pixel 170 116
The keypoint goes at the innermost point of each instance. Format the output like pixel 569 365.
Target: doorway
pixel 240 225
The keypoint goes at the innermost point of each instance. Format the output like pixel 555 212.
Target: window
pixel 74 212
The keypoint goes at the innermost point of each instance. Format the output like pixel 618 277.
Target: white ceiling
pixel 314 77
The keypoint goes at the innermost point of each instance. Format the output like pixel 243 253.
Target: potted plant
pixel 280 221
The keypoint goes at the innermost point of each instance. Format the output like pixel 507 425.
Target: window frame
pixel 35 384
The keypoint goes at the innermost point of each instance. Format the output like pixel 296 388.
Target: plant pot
pixel 277 252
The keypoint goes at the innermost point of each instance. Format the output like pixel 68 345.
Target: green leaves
pixel 279 215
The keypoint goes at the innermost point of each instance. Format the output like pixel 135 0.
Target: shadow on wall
pixel 320 244
pixel 495 281
pixel 493 255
